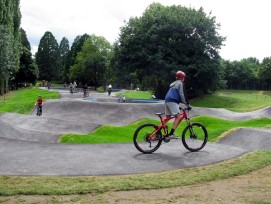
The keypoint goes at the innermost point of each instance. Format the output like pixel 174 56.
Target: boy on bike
pixel 39 104
pixel 85 88
pixel 174 96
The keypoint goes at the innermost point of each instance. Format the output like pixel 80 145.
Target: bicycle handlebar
pixel 185 109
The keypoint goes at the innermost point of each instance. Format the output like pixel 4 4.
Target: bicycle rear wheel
pixel 144 141
pixel 194 137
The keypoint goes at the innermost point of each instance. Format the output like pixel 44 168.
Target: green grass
pixel 136 94
pixel 113 134
pixel 235 100
pixel 23 100
pixel 58 185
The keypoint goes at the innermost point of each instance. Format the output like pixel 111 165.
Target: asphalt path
pixel 28 143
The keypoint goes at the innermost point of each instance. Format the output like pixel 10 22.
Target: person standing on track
pixel 174 96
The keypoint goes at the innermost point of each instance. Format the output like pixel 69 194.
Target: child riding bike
pixel 39 104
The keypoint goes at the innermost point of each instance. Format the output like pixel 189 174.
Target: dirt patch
pixel 254 188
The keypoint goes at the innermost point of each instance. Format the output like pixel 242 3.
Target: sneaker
pixel 172 136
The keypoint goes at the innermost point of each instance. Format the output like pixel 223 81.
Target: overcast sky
pixel 245 23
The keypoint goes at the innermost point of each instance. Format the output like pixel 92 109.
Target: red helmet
pixel 180 75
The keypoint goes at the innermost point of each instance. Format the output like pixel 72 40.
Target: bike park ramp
pixel 28 142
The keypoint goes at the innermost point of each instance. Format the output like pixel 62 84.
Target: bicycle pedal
pixel 166 140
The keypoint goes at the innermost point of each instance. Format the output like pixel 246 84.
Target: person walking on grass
pixel 174 96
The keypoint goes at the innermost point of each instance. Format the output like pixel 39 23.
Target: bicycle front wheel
pixel 147 138
pixel 194 137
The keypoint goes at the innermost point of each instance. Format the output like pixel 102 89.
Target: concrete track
pixel 28 143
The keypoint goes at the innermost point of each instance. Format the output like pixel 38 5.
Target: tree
pixel 92 62
pixel 28 71
pixel 64 49
pixel 264 73
pixel 166 39
pixel 75 49
pixel 24 41
pixel 47 58
pixel 241 74
pixel 251 67
pixel 10 19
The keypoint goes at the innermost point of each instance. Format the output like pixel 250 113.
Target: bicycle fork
pixel 191 130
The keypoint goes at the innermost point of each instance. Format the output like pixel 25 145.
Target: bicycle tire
pixel 144 144
pixel 194 137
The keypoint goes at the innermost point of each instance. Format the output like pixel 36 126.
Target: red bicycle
pixel 148 137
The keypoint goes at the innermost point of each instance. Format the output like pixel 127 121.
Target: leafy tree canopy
pixel 167 39
pixel 92 62
pixel 47 57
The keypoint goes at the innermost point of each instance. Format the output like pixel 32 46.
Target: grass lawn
pixel 235 100
pixel 136 94
pixel 23 100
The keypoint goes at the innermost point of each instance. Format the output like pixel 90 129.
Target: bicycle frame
pixel 164 121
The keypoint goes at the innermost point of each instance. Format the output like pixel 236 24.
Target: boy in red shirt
pixel 39 105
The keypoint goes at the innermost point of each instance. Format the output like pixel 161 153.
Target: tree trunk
pixel 1 86
pixel 6 85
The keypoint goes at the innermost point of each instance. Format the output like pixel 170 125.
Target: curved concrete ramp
pixel 249 138
pixel 230 115
pixel 100 112
pixel 35 158
pixel 26 141
pixel 16 133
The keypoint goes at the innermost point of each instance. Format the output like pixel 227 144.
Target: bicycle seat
pixel 159 114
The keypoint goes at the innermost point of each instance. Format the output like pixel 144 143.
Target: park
pixel 31 146
pixel 88 112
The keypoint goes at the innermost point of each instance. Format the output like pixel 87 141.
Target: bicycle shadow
pixel 173 160
pixel 174 156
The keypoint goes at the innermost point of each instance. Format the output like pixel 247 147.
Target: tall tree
pixel 64 49
pixel 24 41
pixel 166 39
pixel 47 58
pixel 92 62
pixel 10 19
pixel 241 74
pixel 75 49
pixel 264 73
pixel 28 71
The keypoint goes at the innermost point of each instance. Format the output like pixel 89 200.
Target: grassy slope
pixel 235 100
pixel 110 134
pixel 23 100
pixel 136 94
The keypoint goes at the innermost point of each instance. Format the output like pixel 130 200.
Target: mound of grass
pixel 113 134
pixel 136 94
pixel 235 100
pixel 23 100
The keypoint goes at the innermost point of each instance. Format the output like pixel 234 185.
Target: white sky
pixel 245 23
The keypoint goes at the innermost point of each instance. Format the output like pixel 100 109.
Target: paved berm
pixel 28 143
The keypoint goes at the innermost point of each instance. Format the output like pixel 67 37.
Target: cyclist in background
pixel 39 103
pixel 109 89
pixel 71 88
pixel 174 96
pixel 85 89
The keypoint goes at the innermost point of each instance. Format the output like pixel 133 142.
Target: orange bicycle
pixel 148 137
